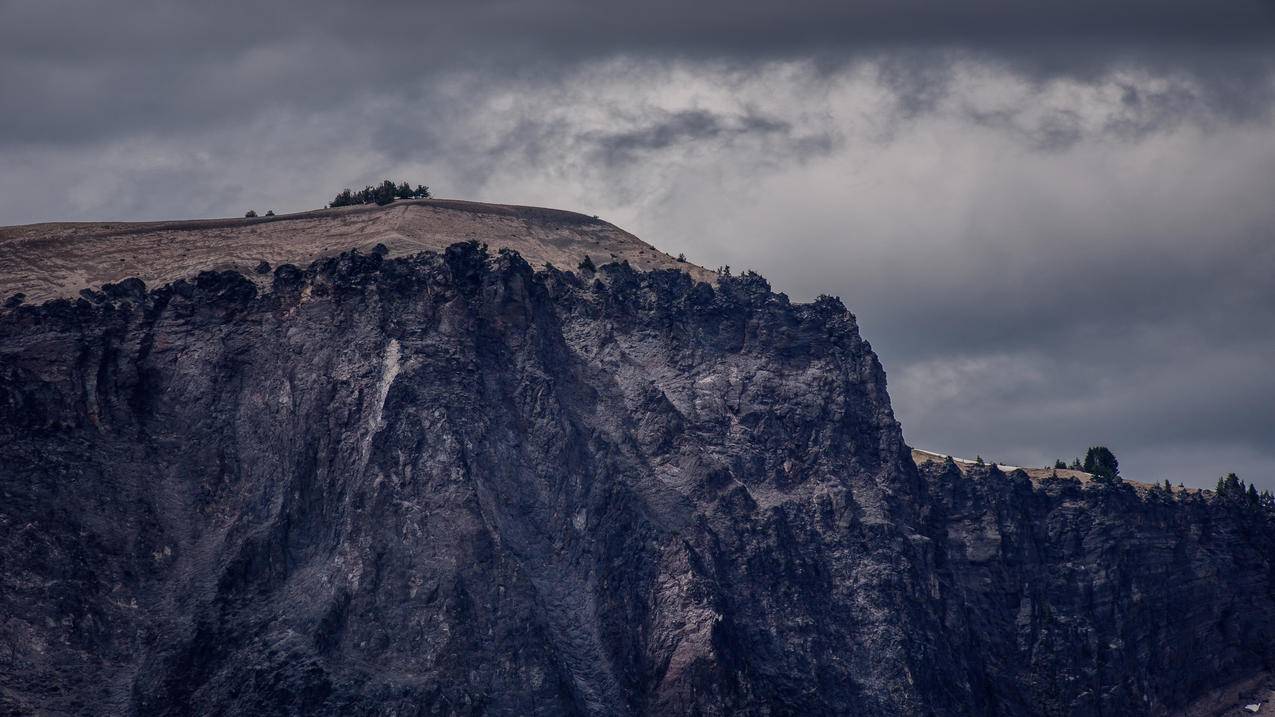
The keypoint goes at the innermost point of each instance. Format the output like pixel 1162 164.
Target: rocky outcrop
pixel 450 484
pixel 1100 599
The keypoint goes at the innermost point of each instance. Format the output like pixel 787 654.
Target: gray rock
pixel 450 484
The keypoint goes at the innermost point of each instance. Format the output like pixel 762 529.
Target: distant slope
pixel 46 261
pixel 921 457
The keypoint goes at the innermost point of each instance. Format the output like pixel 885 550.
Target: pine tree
pixel 1234 486
pixel 344 199
pixel 384 194
pixel 1102 463
pixel 1231 489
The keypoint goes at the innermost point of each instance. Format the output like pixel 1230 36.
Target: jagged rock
pixel 450 484
pixel 1097 598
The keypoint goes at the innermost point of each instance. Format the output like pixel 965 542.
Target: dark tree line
pixel 383 193
pixel 1231 489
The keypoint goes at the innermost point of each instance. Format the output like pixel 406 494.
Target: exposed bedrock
pixel 450 484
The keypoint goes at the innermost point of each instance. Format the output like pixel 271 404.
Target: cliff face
pixel 1100 599
pixel 451 484
pixel 448 484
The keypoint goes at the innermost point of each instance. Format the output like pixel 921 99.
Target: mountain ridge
pixel 449 482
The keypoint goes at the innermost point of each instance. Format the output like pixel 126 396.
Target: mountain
pixel 459 481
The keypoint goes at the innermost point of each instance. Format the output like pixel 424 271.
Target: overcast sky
pixel 1054 220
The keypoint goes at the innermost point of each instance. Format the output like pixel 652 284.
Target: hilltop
pixel 55 260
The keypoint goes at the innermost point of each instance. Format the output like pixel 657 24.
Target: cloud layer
pixel 1055 226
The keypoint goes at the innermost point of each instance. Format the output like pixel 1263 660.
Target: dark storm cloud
pixel 1053 218
pixel 76 71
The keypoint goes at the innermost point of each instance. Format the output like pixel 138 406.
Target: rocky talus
pixel 448 483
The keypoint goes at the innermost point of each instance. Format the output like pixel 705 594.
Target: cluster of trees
pixel 1102 463
pixel 1099 461
pixel 252 213
pixel 383 193
pixel 1231 489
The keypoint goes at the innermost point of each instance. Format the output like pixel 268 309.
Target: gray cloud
pixel 1053 219
pixel 677 128
pixel 76 71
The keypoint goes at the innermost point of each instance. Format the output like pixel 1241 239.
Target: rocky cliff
pixel 448 483
pixel 1102 599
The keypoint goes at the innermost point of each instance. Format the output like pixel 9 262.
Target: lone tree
pixel 250 214
pixel 1102 463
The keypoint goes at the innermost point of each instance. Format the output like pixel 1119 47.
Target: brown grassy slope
pixel 46 261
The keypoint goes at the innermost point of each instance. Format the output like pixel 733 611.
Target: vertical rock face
pixel 1100 599
pixel 451 484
